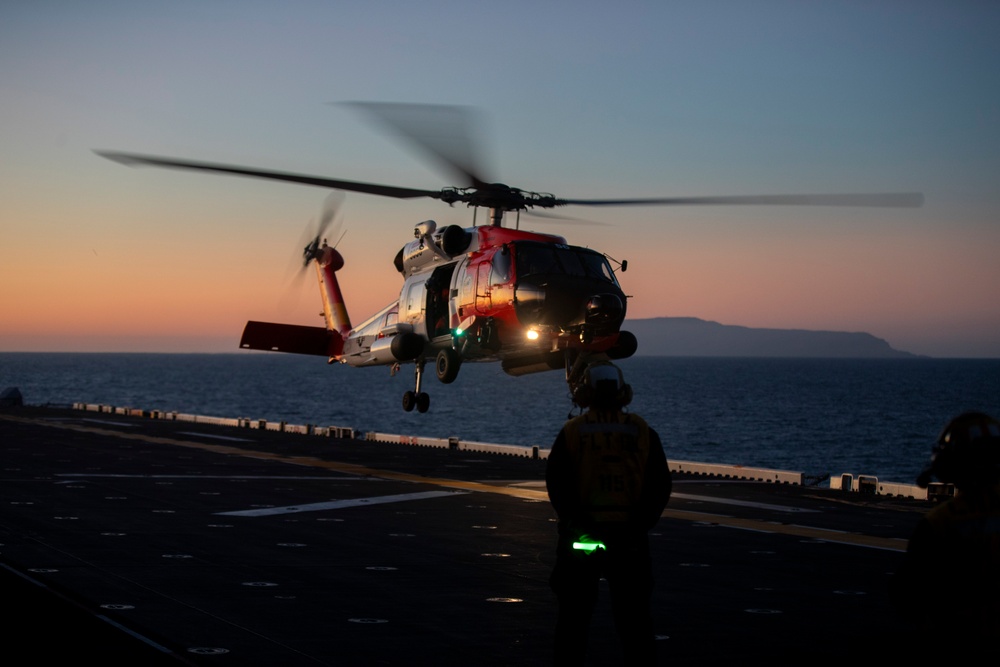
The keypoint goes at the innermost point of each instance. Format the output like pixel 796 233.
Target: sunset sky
pixel 581 99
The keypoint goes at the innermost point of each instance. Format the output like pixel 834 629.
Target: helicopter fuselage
pixel 529 300
pixel 494 293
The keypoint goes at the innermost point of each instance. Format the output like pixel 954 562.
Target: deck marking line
pixel 340 504
pixel 741 503
pixel 822 534
pixel 215 437
pixel 108 422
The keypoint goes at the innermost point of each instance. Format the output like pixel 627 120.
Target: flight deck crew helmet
pixel 603 386
pixel 967 451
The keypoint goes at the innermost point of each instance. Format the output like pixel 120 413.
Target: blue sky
pixel 580 99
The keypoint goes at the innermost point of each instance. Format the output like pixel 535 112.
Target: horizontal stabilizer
pixel 292 338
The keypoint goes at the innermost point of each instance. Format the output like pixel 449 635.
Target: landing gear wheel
pixel 416 398
pixel 447 365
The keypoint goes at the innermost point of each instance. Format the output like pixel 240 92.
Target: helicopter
pixel 491 292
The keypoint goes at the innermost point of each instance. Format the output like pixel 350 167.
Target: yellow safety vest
pixel 609 459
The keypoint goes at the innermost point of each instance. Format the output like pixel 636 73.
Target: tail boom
pixel 334 310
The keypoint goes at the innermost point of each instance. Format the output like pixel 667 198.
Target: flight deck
pixel 137 541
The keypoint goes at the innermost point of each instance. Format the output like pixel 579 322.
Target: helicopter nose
pixel 604 308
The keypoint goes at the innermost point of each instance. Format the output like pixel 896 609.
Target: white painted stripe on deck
pixel 741 503
pixel 341 504
pixel 819 534
pixel 108 422
pixel 215 437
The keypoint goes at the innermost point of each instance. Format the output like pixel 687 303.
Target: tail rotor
pixel 331 207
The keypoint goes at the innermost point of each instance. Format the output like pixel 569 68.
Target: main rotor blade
pixel 892 199
pixel 559 219
pixel 445 133
pixel 132 160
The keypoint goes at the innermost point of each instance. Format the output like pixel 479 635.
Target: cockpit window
pixel 548 259
pixel 596 265
pixel 534 260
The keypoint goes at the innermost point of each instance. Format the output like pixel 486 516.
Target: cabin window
pixel 501 266
pixel 467 294
pixel 415 299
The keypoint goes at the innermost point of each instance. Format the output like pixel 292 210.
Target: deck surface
pixel 139 541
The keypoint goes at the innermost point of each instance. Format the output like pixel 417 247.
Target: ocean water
pixel 817 416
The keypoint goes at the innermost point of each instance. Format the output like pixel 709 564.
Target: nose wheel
pixel 416 398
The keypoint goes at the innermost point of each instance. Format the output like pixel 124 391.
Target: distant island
pixel 693 337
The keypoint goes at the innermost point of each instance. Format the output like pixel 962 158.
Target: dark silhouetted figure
pixel 948 586
pixel 608 481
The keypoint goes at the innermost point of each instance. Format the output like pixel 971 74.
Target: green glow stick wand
pixel 589 547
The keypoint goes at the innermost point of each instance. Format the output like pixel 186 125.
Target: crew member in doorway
pixel 608 481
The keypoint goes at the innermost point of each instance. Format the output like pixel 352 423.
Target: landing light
pixel 532 334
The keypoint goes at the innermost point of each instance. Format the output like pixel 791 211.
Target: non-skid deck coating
pixel 134 541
